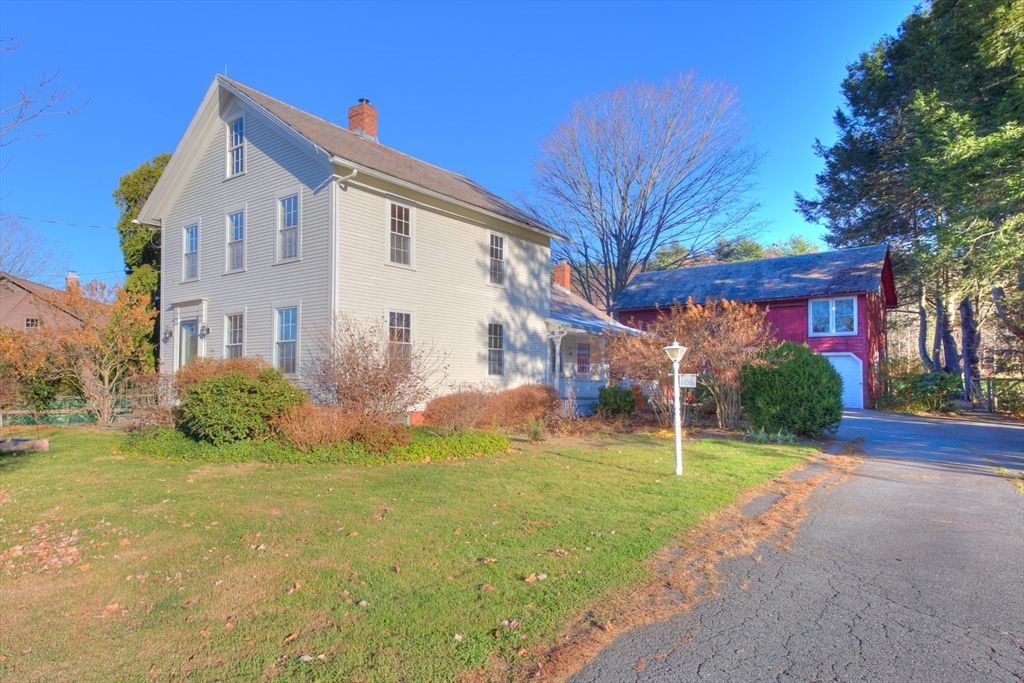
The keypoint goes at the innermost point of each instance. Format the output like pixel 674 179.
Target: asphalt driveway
pixel 911 570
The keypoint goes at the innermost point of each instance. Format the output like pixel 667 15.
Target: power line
pixel 74 225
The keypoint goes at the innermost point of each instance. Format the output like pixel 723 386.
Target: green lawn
pixel 236 571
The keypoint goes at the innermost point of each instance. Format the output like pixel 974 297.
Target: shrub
pixel 616 400
pixel 797 390
pixel 913 389
pixel 456 411
pixel 234 407
pixel 306 426
pixel 359 366
pixel 163 442
pixel 200 369
pixel 379 437
pixel 514 408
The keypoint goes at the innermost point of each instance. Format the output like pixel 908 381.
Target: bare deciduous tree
pixel 641 167
pixel 46 96
pixel 24 254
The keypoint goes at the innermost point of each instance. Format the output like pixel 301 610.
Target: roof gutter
pixel 437 195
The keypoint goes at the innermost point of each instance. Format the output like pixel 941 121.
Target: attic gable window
pixel 236 147
pixel 832 317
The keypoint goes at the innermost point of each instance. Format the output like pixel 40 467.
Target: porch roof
pixel 575 313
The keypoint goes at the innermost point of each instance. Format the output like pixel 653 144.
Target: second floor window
pixel 583 358
pixel 401 235
pixel 495 349
pixel 236 146
pixel 236 241
pixel 497 260
pixel 234 332
pixel 400 340
pixel 833 316
pixel 287 338
pixel 289 228
pixel 191 263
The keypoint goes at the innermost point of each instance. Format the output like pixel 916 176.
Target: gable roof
pixel 354 148
pixel 575 312
pixel 843 271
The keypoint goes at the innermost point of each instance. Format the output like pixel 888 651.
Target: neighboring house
pixel 21 302
pixel 275 222
pixel 834 301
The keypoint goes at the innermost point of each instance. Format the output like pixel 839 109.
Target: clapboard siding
pixel 447 289
pixel 274 164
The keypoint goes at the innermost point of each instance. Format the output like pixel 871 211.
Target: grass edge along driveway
pixel 120 567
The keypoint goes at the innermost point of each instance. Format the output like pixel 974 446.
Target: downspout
pixel 334 250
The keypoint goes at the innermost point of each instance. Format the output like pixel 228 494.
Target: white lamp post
pixel 675 354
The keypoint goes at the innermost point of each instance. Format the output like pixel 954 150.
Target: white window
pixel 400 340
pixel 583 358
pixel 401 235
pixel 236 147
pixel 497 260
pixel 31 324
pixel 832 317
pixel 191 263
pixel 288 227
pixel 236 241
pixel 234 335
pixel 287 339
pixel 495 349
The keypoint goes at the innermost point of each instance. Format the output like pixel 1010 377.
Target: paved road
pixel 911 570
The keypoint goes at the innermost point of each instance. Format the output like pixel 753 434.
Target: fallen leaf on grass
pixel 305 658
pixel 532 578
pixel 606 626
pixel 487 560
pixel 398 569
pixel 363 603
pixel 125 541
pixel 291 637
pixel 487 587
pixel 321 657
pixel 189 481
pixel 351 534
pixel 458 637
pixel 458 532
pixel 229 626
pixel 204 633
pixel 85 567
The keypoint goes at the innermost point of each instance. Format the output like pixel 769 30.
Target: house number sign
pixel 688 381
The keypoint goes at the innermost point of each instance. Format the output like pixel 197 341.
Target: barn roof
pixel 828 273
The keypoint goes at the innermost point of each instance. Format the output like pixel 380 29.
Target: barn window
pixel 832 317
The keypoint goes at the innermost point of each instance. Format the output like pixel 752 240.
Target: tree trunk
pixel 922 335
pixel 940 324
pixel 949 352
pixel 970 341
pixel 1014 323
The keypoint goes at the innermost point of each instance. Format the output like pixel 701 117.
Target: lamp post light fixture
pixel 675 354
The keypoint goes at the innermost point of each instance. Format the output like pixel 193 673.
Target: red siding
pixel 789 323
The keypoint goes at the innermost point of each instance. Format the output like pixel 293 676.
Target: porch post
pixel 558 362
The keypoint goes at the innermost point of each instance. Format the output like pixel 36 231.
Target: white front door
pixel 851 370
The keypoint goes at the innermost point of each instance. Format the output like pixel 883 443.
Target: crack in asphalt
pixel 871 590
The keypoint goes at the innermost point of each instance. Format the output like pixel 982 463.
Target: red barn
pixel 834 301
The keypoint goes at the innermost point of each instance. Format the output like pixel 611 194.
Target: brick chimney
pixel 362 119
pixel 71 282
pixel 563 277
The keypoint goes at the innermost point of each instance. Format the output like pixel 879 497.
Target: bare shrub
pixel 721 337
pixel 149 401
pixel 359 366
pixel 458 410
pixel 205 368
pixel 378 436
pixel 308 426
pixel 518 407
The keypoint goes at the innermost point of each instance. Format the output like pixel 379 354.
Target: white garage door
pixel 849 368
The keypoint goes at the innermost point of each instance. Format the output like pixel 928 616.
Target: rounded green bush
pixel 233 407
pixel 616 400
pixel 797 390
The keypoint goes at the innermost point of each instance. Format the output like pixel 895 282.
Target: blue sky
pixel 472 87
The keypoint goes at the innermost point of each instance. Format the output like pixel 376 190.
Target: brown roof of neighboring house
pixel 350 146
